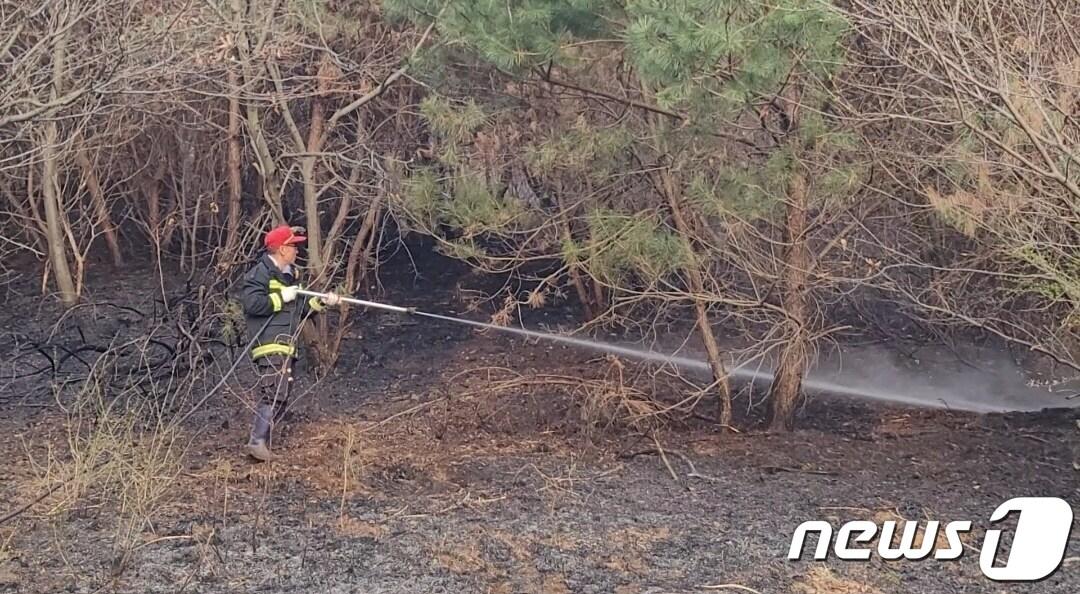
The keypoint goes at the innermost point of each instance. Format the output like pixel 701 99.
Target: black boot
pixel 258 445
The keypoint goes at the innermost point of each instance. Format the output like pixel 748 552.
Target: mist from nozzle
pixel 926 396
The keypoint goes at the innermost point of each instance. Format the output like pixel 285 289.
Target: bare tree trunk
pixel 787 384
pixel 184 187
pixel 264 160
pixel 152 189
pixel 31 199
pixel 599 300
pixel 193 247
pixel 327 349
pixel 575 277
pixel 697 290
pixel 684 227
pixel 568 237
pixel 53 211
pixel 371 244
pixel 332 236
pixel 355 269
pixel 232 232
pixel 271 185
pixel 153 206
pixel 101 209
pixel 598 295
pixel 311 190
pixel 345 205
pixel 50 185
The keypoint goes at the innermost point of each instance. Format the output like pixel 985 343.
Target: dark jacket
pixel 260 295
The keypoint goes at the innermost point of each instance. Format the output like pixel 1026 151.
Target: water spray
pixel 743 371
pixel 560 338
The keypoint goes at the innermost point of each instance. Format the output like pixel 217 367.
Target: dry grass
pixel 563 541
pixel 518 545
pixel 519 575
pixel 497 399
pixel 554 583
pixel 900 425
pixel 463 557
pixel 352 527
pixel 941 541
pixel 822 580
pixel 7 550
pixel 8 577
pixel 632 546
pixel 880 516
pixel 640 538
pixel 348 443
pixel 612 402
pixel 122 460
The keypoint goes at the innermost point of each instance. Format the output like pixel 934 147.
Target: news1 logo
pixel 1038 544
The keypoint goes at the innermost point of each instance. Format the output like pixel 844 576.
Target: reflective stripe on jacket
pixel 260 296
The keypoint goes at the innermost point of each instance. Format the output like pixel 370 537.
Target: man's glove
pixel 288 293
pixel 331 299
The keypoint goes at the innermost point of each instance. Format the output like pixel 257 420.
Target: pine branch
pixel 546 77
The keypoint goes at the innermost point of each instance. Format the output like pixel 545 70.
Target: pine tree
pixel 703 71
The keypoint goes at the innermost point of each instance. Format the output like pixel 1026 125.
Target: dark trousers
pixel 270 393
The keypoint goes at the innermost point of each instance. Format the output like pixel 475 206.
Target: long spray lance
pixel 361 302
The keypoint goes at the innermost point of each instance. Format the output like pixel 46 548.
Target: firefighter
pixel 274 311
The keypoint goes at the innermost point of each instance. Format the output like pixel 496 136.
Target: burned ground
pixel 438 459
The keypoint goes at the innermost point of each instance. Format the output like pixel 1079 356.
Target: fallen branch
pixel 19 511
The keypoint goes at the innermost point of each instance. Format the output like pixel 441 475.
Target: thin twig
pixel 663 457
pixel 693 469
pixel 729 587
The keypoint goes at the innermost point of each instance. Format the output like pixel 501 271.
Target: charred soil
pixel 438 459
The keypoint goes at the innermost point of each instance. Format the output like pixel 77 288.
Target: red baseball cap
pixel 282 235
